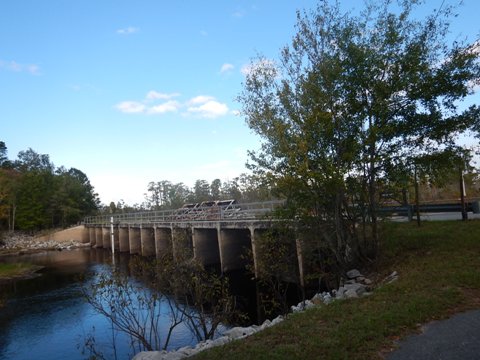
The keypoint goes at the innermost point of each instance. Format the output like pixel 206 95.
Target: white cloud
pixel 131 107
pixel 128 30
pixel 201 99
pixel 211 109
pixel 203 106
pixel 155 95
pixel 17 67
pixel 226 67
pixel 169 106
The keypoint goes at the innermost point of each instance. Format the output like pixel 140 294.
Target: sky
pixel 136 91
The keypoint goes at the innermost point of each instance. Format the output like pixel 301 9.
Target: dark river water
pixel 47 318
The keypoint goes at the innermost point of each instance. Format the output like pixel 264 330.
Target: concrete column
pixel 123 243
pixel 116 237
pixel 234 244
pixel 98 237
pixel 205 246
pixel 106 236
pixel 182 242
pixel 254 249
pixel 163 241
pixel 134 240
pixel 147 240
pixel 93 236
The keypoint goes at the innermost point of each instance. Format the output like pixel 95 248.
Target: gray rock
pixel 354 273
pixel 150 355
pixel 367 281
pixel 220 341
pixel 358 288
pixel 239 332
pixel 351 294
pixel 277 320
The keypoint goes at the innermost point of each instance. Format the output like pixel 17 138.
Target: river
pixel 47 318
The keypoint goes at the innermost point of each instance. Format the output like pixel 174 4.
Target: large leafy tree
pixel 349 95
pixel 35 195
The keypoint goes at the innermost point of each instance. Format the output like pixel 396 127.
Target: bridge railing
pixel 247 211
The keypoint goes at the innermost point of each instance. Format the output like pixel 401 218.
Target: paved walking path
pixel 456 338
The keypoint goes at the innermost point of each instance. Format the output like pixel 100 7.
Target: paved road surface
pixel 457 338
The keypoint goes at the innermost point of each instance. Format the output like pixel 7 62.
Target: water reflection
pixel 47 317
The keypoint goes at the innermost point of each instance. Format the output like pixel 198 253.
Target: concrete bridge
pixel 215 234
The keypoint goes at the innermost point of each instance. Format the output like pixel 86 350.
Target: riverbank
pixel 437 266
pixel 18 243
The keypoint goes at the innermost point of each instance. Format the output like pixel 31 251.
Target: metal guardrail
pixel 230 212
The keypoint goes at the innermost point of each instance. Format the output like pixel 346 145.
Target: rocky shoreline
pixel 20 243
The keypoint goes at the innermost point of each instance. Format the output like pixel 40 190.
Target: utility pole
pixel 112 235
pixel 417 198
pixel 462 196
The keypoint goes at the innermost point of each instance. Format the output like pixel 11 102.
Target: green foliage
pixel 34 195
pixel 438 275
pixel 275 268
pixel 349 98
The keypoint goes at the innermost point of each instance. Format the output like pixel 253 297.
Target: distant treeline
pixel 165 195
pixel 35 195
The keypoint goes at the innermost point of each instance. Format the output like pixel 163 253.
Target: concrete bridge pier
pixel 182 243
pixel 116 238
pixel 163 241
pixel 147 241
pixel 106 237
pixel 92 236
pixel 123 242
pixel 234 246
pixel 134 240
pixel 205 246
pixel 254 233
pixel 98 236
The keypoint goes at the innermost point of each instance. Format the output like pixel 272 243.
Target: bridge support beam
pixel 134 240
pixel 163 241
pixel 234 246
pixel 98 237
pixel 123 242
pixel 205 246
pixel 147 239
pixel 106 237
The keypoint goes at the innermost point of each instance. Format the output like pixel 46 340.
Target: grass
pixel 439 274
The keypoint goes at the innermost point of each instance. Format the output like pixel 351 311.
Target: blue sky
pixel 136 91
